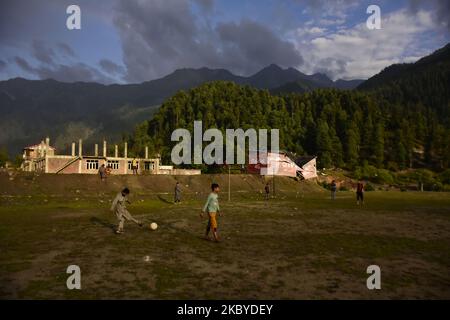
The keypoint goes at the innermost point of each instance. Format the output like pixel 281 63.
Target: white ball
pixel 153 226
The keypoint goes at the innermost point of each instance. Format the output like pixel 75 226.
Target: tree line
pixel 388 128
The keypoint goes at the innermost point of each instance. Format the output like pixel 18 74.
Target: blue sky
pixel 134 40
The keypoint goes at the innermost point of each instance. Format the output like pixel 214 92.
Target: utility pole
pixel 229 183
pixel 273 185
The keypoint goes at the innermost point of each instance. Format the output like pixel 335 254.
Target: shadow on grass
pixel 164 200
pixel 104 223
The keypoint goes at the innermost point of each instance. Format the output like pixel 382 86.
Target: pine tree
pixel 323 144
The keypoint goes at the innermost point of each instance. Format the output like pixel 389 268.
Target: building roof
pixel 301 161
pixel 36 146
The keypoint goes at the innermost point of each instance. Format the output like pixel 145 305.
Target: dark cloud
pixel 2 65
pixel 22 21
pixel 252 46
pixel 65 49
pixel 206 5
pixel 156 37
pixel 160 36
pixel 72 73
pixel 110 67
pixel 64 73
pixel 23 64
pixel 48 66
pixel 440 9
pixel 42 52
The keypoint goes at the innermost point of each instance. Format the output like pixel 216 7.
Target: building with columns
pixel 42 157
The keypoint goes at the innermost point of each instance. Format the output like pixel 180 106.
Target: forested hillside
pixel 344 128
pixel 400 118
pixel 425 82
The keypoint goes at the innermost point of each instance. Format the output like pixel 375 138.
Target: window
pixel 113 164
pixel 92 164
pixel 148 165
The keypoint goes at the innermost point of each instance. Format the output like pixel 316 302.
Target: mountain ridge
pixel 65 111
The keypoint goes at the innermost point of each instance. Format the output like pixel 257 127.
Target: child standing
pixel 360 192
pixel 134 166
pixel 120 209
pixel 212 209
pixel 267 191
pixel 177 196
pixel 102 172
pixel 333 188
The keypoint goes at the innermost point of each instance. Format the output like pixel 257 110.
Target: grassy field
pixel 299 245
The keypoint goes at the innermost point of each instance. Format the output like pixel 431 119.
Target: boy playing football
pixel 120 209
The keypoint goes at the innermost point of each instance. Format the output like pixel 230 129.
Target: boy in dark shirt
pixel 360 192
pixel 333 188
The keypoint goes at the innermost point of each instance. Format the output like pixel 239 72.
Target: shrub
pixel 371 173
pixel 325 185
pixel 444 177
pixel 384 177
pixel 435 186
pixel 3 157
pixel 365 172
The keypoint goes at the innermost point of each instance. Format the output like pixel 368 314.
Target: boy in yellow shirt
pixel 212 209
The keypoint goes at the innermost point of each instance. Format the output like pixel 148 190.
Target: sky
pixel 131 41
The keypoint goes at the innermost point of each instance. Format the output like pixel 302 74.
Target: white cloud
pixel 313 31
pixel 360 53
pixel 331 22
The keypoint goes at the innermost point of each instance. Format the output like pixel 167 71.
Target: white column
pixel 125 155
pixel 104 148
pixel 80 147
pixel 116 151
pixel 96 150
pixel 146 152
pixel 73 149
pixel 47 145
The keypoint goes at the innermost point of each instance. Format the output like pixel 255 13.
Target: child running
pixel 120 209
pixel 212 208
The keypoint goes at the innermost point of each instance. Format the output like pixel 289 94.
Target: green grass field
pixel 299 245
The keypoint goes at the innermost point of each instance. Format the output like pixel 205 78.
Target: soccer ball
pixel 153 226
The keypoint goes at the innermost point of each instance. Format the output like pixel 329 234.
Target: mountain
pixel 273 76
pixel 289 80
pixel 397 119
pixel 32 109
pixel 315 81
pixel 425 82
pixel 437 61
pixel 345 128
pixel 347 84
pixel 299 86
